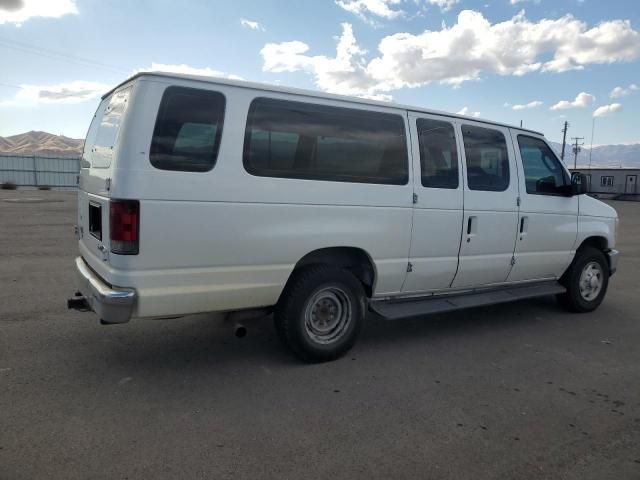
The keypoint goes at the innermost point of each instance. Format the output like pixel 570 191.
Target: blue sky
pixel 553 60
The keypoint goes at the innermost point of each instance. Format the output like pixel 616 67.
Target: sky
pixel 542 62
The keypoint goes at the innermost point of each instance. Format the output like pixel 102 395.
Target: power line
pixel 43 52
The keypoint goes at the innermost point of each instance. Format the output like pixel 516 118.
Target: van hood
pixel 592 207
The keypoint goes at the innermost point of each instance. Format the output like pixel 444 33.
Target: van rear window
pixel 318 142
pixel 104 130
pixel 188 130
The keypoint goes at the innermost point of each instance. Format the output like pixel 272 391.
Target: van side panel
pixel 228 255
pixel 225 239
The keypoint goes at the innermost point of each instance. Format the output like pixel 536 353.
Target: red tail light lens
pixel 124 226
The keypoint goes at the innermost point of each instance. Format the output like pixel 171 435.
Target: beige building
pixel 612 182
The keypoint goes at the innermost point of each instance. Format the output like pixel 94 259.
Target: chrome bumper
pixel 113 305
pixel 612 257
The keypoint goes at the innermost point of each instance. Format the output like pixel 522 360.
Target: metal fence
pixel 39 171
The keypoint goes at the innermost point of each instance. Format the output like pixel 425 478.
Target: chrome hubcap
pixel 591 281
pixel 327 315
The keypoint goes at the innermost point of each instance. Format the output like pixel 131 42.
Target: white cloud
pixel 583 99
pixel 381 97
pixel 445 5
pixel 187 70
pixel 465 111
pixel 19 11
pixel 462 52
pixel 533 104
pixel 365 8
pixel 253 25
pixel 76 91
pixel 345 73
pixel 607 110
pixel 623 92
pixel 515 2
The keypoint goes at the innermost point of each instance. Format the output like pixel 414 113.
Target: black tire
pixel 574 300
pixel 328 289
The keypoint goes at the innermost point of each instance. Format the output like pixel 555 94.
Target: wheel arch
pixel 596 241
pixel 354 259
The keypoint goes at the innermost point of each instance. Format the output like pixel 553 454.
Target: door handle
pixel 524 226
pixel 472 226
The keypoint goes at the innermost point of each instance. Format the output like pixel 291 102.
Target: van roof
pixel 309 93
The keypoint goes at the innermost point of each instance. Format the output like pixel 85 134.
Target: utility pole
pixel 576 150
pixel 564 139
pixel 593 128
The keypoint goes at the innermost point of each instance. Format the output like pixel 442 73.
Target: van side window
pixel 543 173
pixel 289 139
pixel 438 153
pixel 188 130
pixel 487 159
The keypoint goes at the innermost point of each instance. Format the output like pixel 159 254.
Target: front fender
pixel 601 228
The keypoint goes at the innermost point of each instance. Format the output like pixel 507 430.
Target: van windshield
pixel 103 132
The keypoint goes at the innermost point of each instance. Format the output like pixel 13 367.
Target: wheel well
pixel 600 243
pixel 356 260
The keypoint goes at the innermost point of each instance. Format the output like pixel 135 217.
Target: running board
pixel 415 307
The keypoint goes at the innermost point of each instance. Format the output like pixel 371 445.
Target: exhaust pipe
pixel 236 319
pixel 239 330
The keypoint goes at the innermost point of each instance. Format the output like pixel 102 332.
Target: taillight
pixel 124 226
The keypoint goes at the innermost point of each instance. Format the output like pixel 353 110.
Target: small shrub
pixel 44 187
pixel 8 186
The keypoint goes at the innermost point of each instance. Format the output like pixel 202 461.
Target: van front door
pixel 490 206
pixel 548 222
pixel 437 217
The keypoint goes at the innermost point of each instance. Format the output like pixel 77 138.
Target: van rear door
pixel 98 162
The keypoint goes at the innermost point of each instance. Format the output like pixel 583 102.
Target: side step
pixel 415 307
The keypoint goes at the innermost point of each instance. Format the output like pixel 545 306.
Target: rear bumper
pixel 612 257
pixel 112 305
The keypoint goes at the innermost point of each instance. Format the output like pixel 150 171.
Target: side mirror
pixel 579 183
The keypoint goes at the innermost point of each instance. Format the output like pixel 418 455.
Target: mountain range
pixel 614 156
pixel 43 143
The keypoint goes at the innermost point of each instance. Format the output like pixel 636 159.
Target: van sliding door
pixel 438 209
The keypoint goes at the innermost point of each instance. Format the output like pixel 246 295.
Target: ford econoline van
pixel 209 195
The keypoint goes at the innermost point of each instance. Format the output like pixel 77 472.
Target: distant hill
pixel 41 143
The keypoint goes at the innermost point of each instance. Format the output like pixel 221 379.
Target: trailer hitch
pixel 78 302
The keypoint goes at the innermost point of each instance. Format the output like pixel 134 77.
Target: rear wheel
pixel 586 281
pixel 320 313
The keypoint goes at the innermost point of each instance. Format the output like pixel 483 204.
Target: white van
pixel 208 195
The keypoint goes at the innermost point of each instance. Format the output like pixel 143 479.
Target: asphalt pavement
pixel 515 391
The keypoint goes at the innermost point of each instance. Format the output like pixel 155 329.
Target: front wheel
pixel 586 281
pixel 320 313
